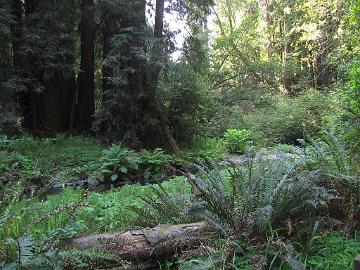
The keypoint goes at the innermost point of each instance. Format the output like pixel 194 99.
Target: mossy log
pixel 145 245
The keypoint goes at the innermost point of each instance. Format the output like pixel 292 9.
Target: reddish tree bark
pixel 86 84
pixel 48 112
pixel 159 18
pixel 108 33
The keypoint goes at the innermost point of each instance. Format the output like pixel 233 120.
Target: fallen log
pixel 146 245
pixel 357 263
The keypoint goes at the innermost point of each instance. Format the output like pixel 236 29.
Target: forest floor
pixel 32 225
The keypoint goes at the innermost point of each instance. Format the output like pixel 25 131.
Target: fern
pixel 117 161
pixel 337 173
pixel 25 249
pixel 163 207
pixel 154 163
pixel 329 154
pixel 242 200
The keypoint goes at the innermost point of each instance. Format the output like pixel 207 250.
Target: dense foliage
pixel 243 116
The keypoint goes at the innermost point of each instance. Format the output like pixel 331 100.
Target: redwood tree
pixel 86 84
pixel 48 52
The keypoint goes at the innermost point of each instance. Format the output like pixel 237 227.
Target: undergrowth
pixel 69 214
pixel 277 209
pixel 205 147
pixel 277 200
pixel 48 156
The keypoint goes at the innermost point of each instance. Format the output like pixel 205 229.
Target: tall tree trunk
pixel 16 30
pixel 154 106
pixel 287 76
pixel 31 108
pixel 323 70
pixel 86 84
pixel 159 19
pixel 51 108
pixel 108 33
pixel 136 79
pixel 60 88
pixel 269 25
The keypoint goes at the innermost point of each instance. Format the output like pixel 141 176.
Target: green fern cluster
pixel 30 229
pixel 242 200
pixel 270 197
pixel 161 205
pixel 270 190
pixel 337 173
pixel 154 163
pixel 31 257
pixel 118 161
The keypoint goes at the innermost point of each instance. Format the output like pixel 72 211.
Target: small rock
pixel 58 186
pixel 70 184
pixel 92 182
pixel 99 175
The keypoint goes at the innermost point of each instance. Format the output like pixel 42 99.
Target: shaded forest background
pixel 106 68
pixel 138 118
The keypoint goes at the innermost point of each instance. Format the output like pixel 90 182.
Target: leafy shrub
pixel 346 120
pixel 186 98
pixel 117 161
pixel 236 140
pixel 147 165
pixel 287 119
